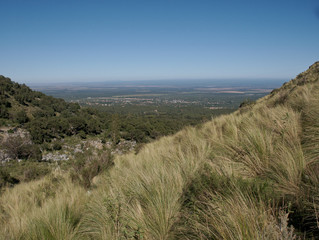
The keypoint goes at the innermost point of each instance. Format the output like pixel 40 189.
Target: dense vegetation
pixel 48 118
pixel 43 116
pixel 252 174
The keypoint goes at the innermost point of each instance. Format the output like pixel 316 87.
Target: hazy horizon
pixel 158 84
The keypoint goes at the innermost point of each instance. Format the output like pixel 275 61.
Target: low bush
pixel 6 179
pixel 86 166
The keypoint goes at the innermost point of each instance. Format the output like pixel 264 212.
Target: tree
pixel 20 147
pixel 115 126
pixel 77 124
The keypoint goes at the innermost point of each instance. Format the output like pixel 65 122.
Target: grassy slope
pixel 248 175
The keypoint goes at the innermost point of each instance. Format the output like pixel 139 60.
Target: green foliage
pixel 49 117
pixel 4 104
pixel 6 179
pixel 32 171
pixel 46 128
pixel 25 171
pixel 21 117
pixel 4 113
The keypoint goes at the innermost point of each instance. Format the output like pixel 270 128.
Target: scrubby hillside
pixel 249 175
pixel 33 126
pixel 48 118
pixel 45 117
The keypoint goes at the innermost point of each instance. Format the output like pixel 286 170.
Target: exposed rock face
pixel 95 145
pixel 55 157
pixel 16 132
pixel 4 157
pixel 124 147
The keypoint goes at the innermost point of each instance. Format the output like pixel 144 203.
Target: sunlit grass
pixel 50 208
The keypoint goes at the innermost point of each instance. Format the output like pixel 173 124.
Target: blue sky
pixel 65 40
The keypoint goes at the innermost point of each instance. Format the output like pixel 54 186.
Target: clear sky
pixel 92 40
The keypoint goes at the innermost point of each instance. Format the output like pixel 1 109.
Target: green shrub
pixel 33 172
pixel 82 134
pixel 46 146
pixel 6 178
pixel 21 117
pixel 57 145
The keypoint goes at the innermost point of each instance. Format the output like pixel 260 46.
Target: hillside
pixel 252 174
pixel 45 117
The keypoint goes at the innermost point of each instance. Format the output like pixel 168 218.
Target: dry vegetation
pixel 249 175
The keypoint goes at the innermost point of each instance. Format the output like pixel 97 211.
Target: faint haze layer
pixel 82 41
pixel 187 83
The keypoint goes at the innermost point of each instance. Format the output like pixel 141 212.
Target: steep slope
pixel 18 97
pixel 45 117
pixel 237 177
pixel 249 175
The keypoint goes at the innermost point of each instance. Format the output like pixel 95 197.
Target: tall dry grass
pixel 50 208
pixel 148 188
pixel 238 216
pixel 252 143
